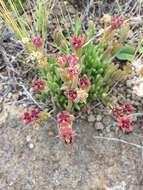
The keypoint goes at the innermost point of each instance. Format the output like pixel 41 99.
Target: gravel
pixel 99 126
pixel 91 118
pixel 45 163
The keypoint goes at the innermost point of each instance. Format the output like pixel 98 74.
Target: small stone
pixel 134 118
pixel 20 93
pixel 108 129
pixel 107 120
pixel 9 95
pixel 101 135
pixel 28 138
pixel 99 126
pixel 98 118
pixel 50 133
pixel 24 105
pixel 91 118
pixel 15 96
pixel 1 99
pixel 129 83
pixel 31 90
pixel 31 146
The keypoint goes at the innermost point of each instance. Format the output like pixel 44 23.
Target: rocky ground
pixel 37 160
pixel 101 157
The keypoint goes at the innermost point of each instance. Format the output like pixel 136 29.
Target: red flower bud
pixel 77 42
pixel 31 116
pixel 125 123
pixel 72 60
pixel 38 85
pixel 116 112
pixel 35 113
pixel 61 61
pixel 37 41
pixel 73 71
pixel 127 108
pixel 117 21
pixel 64 119
pixel 84 82
pixel 66 134
pixel 72 94
pixel 27 118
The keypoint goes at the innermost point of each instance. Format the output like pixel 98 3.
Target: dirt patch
pixel 37 160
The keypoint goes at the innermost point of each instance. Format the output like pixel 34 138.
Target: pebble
pixel 99 126
pixel 31 146
pixel 107 120
pixel 31 90
pixel 28 138
pixel 91 118
pixel 129 83
pixel 1 99
pixel 9 95
pixel 108 129
pixel 134 118
pixel 24 105
pixel 50 133
pixel 98 118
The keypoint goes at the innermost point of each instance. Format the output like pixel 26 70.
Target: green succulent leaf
pixel 126 53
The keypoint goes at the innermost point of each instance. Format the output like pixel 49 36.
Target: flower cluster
pixel 66 133
pixel 38 85
pixel 123 117
pixel 76 87
pixel 71 73
pixel 84 82
pixel 71 94
pixel 77 75
pixel 77 42
pixel 37 41
pixel 116 21
pixel 31 116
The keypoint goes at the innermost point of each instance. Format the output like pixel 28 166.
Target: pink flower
pixel 125 123
pixel 27 118
pixel 72 94
pixel 38 85
pixel 77 42
pixel 35 114
pixel 73 71
pixel 116 112
pixel 72 60
pixel 31 116
pixel 66 134
pixel 61 61
pixel 84 82
pixel 37 41
pixel 64 119
pixel 117 21
pixel 127 108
